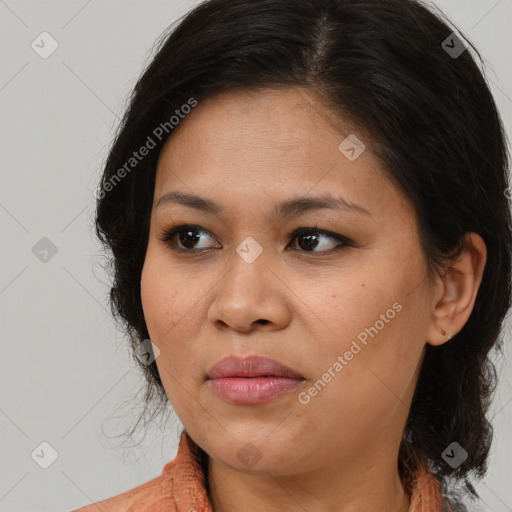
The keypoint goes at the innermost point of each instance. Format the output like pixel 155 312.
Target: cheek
pixel 347 311
pixel 367 349
pixel 156 299
pixel 364 395
pixel 165 300
pixel 165 305
pixel 172 314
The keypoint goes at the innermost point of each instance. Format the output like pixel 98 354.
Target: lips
pixel 251 366
pixel 251 380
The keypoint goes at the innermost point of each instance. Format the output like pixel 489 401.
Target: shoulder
pixel 152 496
pixel 180 486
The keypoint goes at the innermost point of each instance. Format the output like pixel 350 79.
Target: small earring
pixel 443 332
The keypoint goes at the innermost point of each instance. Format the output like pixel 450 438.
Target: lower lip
pixel 253 390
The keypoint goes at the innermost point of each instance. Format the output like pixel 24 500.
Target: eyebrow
pixel 288 208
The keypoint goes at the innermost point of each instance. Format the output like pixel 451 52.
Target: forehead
pixel 245 145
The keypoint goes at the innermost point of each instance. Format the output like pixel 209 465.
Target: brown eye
pixel 184 238
pixel 309 239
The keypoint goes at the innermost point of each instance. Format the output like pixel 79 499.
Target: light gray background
pixel 65 370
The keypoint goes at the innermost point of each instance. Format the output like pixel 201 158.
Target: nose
pixel 249 296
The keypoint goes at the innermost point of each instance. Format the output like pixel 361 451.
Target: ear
pixel 458 287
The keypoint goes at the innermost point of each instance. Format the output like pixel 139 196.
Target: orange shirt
pixel 180 488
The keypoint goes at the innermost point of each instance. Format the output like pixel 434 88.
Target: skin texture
pixel 337 452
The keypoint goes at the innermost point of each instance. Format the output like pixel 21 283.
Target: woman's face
pixel 352 319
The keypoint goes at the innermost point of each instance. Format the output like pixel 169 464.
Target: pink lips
pixel 251 379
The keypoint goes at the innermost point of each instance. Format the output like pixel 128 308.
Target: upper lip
pixel 250 366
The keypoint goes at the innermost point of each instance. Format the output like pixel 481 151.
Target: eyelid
pixel 168 234
pixel 330 234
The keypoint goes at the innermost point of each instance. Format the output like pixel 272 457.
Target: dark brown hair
pixel 432 122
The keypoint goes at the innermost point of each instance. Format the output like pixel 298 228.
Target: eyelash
pixel 167 236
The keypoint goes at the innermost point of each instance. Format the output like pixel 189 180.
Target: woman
pixel 307 209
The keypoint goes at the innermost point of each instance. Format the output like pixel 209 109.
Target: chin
pixel 251 453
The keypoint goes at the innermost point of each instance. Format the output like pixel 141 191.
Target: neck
pixel 367 484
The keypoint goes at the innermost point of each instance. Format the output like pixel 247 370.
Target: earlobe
pixel 461 282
